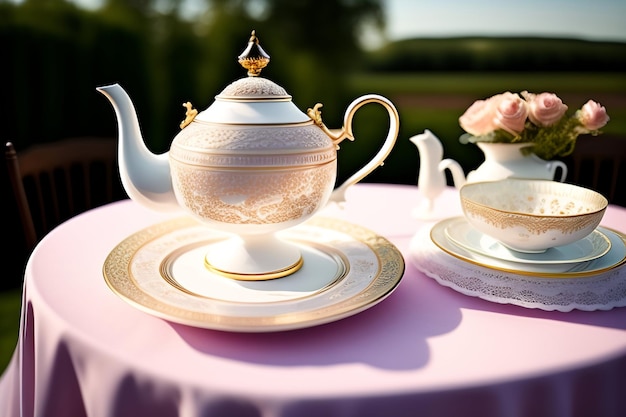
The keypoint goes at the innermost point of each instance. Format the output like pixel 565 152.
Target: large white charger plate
pixel 615 256
pixel 346 270
pixel 591 247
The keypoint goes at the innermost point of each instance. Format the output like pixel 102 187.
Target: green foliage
pixel 10 302
pixel 56 54
pixel 55 57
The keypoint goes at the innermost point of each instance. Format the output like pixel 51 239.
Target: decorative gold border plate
pixel 347 269
pixel 615 257
pixel 463 234
pixel 600 290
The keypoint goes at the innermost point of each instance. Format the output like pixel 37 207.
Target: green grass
pixel 461 89
pixel 435 101
pixel 10 303
pixel 480 84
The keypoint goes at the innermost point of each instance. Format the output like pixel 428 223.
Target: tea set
pixel 250 172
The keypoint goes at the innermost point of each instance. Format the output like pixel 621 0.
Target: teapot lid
pixel 254 99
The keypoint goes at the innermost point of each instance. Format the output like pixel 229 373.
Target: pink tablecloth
pixel 425 350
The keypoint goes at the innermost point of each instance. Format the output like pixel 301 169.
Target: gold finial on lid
pixel 254 58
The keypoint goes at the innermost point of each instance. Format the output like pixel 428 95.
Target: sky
pixel 582 19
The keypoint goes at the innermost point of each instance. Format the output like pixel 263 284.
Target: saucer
pixel 613 258
pixel 602 288
pixel 591 247
pixel 346 270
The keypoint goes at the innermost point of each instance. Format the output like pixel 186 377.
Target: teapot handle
pixel 338 136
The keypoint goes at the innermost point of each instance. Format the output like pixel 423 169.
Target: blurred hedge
pixel 56 54
pixel 517 54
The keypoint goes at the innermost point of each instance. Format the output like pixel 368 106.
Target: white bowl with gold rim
pixel 532 215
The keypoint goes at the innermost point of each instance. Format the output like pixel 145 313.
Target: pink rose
pixel 544 109
pixel 478 118
pixel 510 112
pixel 593 116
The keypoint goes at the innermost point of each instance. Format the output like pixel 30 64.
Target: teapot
pixel 249 165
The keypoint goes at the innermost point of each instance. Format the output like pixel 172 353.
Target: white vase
pixel 506 160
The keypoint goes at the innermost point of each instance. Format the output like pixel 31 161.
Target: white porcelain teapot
pixel 251 164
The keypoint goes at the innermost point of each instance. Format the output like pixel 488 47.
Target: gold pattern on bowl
pixel 532 215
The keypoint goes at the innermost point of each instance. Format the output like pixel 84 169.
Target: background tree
pixel 57 54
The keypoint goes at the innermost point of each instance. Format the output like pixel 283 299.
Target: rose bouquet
pixel 537 119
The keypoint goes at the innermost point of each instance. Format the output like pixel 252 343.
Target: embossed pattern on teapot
pixel 251 164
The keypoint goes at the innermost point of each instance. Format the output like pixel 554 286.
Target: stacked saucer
pixel 587 274
pixel 601 250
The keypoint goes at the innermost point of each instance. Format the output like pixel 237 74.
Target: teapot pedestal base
pixel 253 258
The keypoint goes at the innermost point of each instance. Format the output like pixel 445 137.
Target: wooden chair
pixel 599 163
pixel 54 181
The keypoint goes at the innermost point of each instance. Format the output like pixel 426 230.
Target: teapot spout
pixel 145 176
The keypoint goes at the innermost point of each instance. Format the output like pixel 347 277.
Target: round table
pixel 424 350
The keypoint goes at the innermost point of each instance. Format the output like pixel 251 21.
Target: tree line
pixel 523 54
pixel 55 54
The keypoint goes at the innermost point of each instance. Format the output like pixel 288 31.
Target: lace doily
pixel 603 291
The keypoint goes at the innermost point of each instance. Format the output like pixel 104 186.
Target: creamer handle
pixel 554 165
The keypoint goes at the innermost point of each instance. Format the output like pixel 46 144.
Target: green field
pixel 476 84
pixel 435 101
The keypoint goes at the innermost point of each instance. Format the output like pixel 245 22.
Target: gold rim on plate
pixel 614 258
pixel 347 269
pixel 463 234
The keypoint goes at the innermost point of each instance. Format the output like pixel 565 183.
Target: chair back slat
pixel 599 163
pixel 23 208
pixel 55 181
